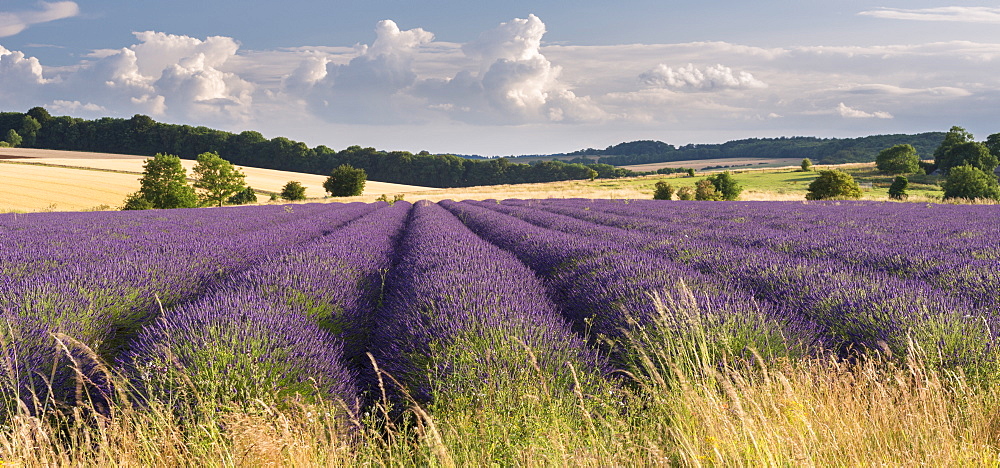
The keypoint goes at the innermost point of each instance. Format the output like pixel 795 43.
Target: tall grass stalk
pixel 686 398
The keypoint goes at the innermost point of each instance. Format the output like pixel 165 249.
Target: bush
pixel 971 183
pixel 346 181
pixel 833 184
pixel 292 191
pixel 685 193
pixel 900 159
pixel 243 197
pixel 807 165
pixel 726 186
pixel 136 201
pixel 705 191
pixel 897 191
pixel 664 191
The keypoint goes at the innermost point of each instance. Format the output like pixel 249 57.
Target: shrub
pixel 346 181
pixel 971 183
pixel 807 165
pixel 664 191
pixel 705 191
pixel 726 186
pixel 293 190
pixel 833 184
pixel 900 159
pixel 136 201
pixel 685 193
pixel 243 197
pixel 897 191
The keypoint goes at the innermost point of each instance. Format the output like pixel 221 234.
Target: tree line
pixel 141 135
pixel 819 150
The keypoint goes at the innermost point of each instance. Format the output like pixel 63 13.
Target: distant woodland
pixel 141 135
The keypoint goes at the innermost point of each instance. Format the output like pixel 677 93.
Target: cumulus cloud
pixel 851 113
pixel 12 23
pixel 712 78
pixel 21 79
pixel 987 15
pixel 75 107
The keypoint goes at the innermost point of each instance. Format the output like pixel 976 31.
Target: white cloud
pixel 851 113
pixel 75 107
pixel 12 23
pixel 712 78
pixel 962 14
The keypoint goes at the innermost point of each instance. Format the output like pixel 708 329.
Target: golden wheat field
pixel 35 180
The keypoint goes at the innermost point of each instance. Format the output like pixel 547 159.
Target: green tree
pixel 970 182
pixel 726 185
pixel 954 136
pixel 29 130
pixel 993 144
pixel 664 191
pixel 163 185
pixel 293 191
pixel 972 153
pixel 833 184
pixel 690 172
pixel 346 181
pixel 807 165
pixel 685 193
pixel 13 139
pixel 900 159
pixel 705 190
pixel 243 197
pixel 897 191
pixel 217 179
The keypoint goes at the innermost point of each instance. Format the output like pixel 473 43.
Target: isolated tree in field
pixel 243 197
pixel 163 185
pixel 833 184
pixel 900 159
pixel 664 191
pixel 685 193
pixel 346 181
pixel 13 139
pixel 971 183
pixel 690 172
pixel 726 185
pixel 954 136
pixel 807 165
pixel 217 179
pixel 705 191
pixel 897 191
pixel 972 153
pixel 293 191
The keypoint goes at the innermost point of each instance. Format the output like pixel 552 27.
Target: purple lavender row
pixel 282 326
pixel 110 291
pixel 943 245
pixel 597 281
pixel 461 315
pixel 856 305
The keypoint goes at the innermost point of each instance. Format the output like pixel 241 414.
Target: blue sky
pixel 516 77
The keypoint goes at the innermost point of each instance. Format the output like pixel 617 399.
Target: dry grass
pixel 40 180
pixel 699 164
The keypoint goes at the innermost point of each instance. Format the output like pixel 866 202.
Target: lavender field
pixel 461 312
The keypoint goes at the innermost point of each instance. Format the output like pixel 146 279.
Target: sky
pixel 518 77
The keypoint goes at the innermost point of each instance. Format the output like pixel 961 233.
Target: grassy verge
pixel 683 400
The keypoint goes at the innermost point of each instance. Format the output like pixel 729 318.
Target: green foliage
pixel 705 191
pixel 807 165
pixel 685 193
pixel 163 185
pixel 968 153
pixel 13 139
pixel 29 130
pixel 897 191
pixel 971 183
pixel 726 186
pixel 833 184
pixel 346 181
pixel 664 191
pixel 690 172
pixel 243 197
pixel 954 136
pixel 293 190
pixel 217 179
pixel 136 201
pixel 900 159
pixel 993 144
